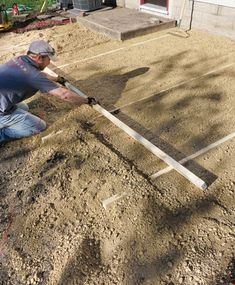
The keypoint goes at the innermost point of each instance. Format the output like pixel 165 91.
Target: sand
pixel 178 93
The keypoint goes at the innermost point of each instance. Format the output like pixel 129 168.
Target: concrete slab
pixel 121 23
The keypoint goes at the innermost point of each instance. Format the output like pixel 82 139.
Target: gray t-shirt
pixel 20 78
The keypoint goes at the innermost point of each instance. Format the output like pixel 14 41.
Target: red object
pixel 15 9
pixel 167 5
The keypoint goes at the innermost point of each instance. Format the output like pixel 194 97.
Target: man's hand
pixel 92 101
pixel 61 80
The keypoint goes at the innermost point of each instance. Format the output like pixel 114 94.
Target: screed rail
pixel 147 144
pixel 194 155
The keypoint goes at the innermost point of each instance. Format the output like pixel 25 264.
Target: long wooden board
pixel 147 144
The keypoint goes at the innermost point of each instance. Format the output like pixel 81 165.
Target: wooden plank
pixel 194 155
pixel 147 144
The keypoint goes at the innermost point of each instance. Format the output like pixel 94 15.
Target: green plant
pixel 34 4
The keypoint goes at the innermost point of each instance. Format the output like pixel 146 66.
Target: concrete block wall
pixel 210 17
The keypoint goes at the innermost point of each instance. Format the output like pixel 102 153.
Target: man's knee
pixel 27 125
pixel 35 124
pixel 23 106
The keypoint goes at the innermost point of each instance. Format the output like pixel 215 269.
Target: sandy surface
pixel 178 93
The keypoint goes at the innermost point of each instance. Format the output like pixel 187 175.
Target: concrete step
pixel 122 23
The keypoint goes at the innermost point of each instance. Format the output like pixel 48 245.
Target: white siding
pixel 226 3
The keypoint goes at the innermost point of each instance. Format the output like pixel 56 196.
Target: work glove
pixel 92 101
pixel 61 80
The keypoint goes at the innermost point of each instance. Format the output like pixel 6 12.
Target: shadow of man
pixel 108 88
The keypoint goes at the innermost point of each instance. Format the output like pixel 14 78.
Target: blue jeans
pixel 20 124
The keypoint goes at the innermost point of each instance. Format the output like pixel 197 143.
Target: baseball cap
pixel 43 48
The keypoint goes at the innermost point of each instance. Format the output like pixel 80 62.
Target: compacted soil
pixel 57 223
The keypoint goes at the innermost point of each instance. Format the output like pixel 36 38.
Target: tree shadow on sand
pixel 166 226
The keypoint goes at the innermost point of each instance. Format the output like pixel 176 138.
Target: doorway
pixel 161 3
pixel 155 5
